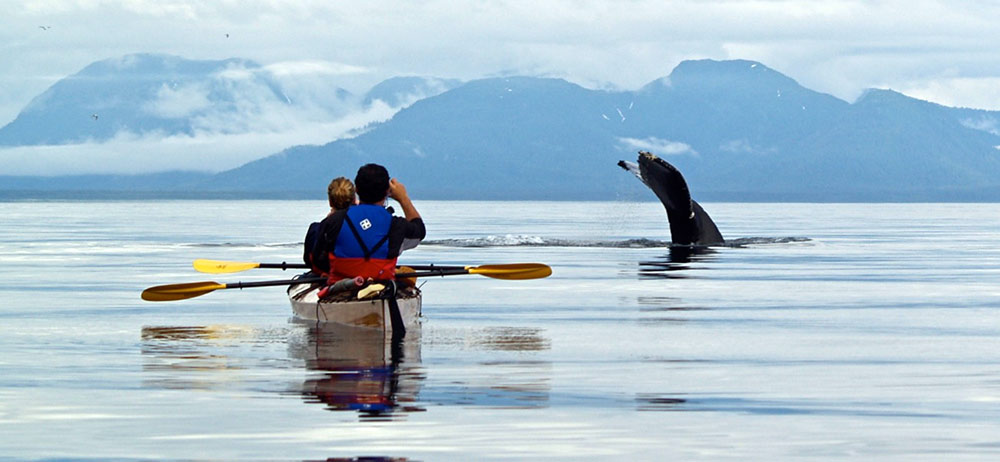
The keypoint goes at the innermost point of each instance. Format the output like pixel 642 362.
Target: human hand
pixel 397 190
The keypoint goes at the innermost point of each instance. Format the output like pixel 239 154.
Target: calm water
pixel 836 330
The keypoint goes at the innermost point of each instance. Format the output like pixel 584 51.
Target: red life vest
pixel 374 268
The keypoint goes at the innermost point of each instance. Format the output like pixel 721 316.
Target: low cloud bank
pixel 129 153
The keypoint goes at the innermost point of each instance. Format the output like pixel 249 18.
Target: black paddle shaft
pixel 436 272
pixel 284 265
pixel 240 285
pixel 286 282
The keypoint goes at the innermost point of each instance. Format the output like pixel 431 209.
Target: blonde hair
pixel 341 193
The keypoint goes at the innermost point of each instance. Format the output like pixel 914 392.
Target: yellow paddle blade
pixel 218 267
pixel 512 271
pixel 171 292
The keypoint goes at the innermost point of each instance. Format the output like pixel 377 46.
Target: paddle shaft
pixel 216 266
pixel 514 271
pixel 285 265
pixel 436 272
pixel 416 274
pixel 287 282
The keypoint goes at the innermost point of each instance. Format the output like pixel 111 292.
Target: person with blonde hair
pixel 341 195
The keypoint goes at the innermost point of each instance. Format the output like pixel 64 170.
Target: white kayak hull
pixel 371 314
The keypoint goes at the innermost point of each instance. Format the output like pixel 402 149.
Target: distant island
pixel 738 130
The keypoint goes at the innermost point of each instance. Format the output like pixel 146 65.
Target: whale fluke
pixel 689 223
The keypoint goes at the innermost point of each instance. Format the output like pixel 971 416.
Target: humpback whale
pixel 689 223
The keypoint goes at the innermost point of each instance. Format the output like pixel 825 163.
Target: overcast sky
pixel 941 51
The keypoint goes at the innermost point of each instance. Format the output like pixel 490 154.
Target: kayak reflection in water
pixel 362 370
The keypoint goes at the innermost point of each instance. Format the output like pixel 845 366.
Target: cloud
pixel 586 41
pixel 937 50
pixel 242 99
pixel 737 146
pixel 204 151
pixel 658 146
pixel 971 92
pixel 178 102
pixel 313 67
pixel 984 123
pixel 742 146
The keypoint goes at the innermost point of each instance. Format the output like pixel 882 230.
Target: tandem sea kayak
pixel 344 308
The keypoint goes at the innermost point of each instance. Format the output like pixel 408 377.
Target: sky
pixel 941 51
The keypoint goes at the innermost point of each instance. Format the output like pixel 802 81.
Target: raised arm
pixel 398 192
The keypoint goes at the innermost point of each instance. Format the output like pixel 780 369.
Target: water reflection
pixel 678 259
pixel 383 379
pixel 194 357
pixel 656 309
pixel 365 459
pixel 349 369
pixel 508 376
pixel 361 370
pixel 663 304
pixel 353 369
pixel 655 402
pixel 507 339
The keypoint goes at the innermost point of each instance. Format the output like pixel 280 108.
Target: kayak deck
pixel 344 308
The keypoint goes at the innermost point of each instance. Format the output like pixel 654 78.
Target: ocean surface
pixel 825 331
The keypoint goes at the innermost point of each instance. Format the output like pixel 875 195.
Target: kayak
pixel 344 308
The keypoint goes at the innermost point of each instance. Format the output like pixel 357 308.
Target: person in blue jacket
pixel 366 239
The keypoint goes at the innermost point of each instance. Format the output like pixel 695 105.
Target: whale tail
pixel 689 223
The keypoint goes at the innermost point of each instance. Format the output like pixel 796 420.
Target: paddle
pixel 513 271
pixel 510 271
pixel 171 292
pixel 220 267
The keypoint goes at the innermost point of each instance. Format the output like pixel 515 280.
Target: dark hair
pixel 372 183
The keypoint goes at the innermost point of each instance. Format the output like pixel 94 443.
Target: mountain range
pixel 738 130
